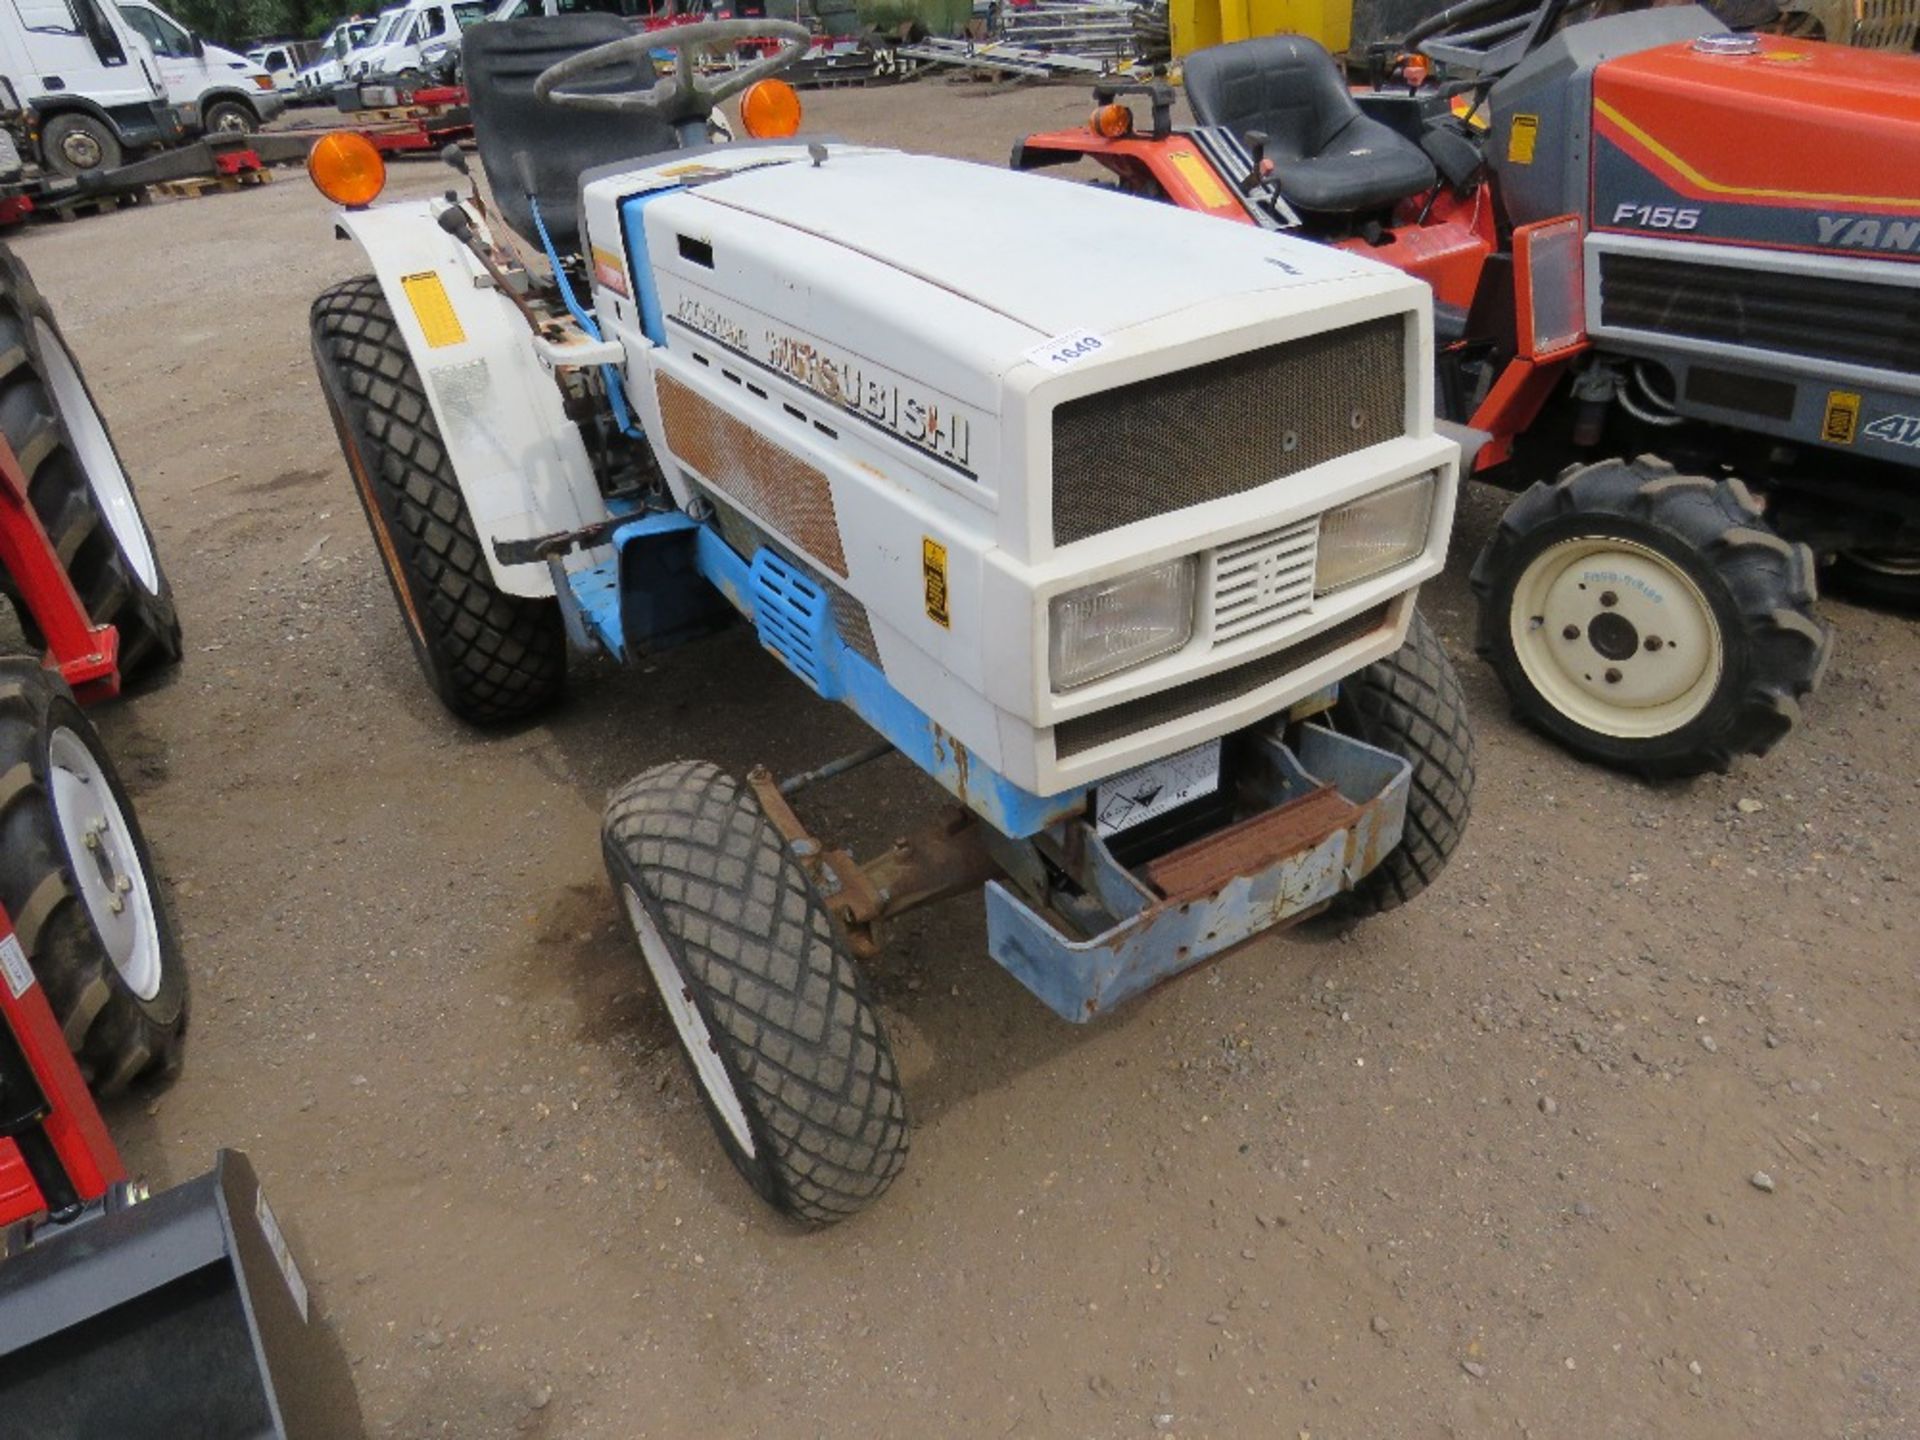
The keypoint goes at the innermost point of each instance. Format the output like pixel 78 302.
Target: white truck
pixel 316 79
pixel 282 60
pixel 418 38
pixel 214 89
pixel 81 89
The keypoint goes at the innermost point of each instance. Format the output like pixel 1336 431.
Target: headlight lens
pixel 1371 535
pixel 1112 625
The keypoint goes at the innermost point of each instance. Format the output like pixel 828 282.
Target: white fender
pixel 521 463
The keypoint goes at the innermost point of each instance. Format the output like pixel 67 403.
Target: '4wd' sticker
pixel 1896 430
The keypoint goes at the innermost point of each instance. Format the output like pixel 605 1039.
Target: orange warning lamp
pixel 770 110
pixel 347 169
pixel 1112 121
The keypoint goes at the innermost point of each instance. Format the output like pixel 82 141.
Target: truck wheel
pixel 489 656
pixel 77 880
pixel 74 144
pixel 76 482
pixel 1648 619
pixel 229 117
pixel 792 1065
pixel 1879 577
pixel 1410 705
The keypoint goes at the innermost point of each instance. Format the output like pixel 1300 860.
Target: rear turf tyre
pixel 1410 705
pixel 76 482
pixel 70 850
pixel 74 143
pixel 787 1049
pixel 1649 620
pixel 490 657
pixel 1877 577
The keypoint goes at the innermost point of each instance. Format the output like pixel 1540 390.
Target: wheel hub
pixel 106 862
pixel 83 150
pixel 1616 636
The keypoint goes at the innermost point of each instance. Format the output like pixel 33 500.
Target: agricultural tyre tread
pixel 116 1036
pixel 1760 588
pixel 788 1012
pixel 489 656
pixel 102 572
pixel 1410 704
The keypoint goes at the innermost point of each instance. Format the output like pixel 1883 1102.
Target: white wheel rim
pixel 695 1038
pixel 1615 637
pixel 106 862
pixel 83 150
pixel 112 491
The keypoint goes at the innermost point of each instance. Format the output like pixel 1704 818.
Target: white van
pixel 327 68
pixel 91 81
pixel 282 60
pixel 214 89
pixel 417 37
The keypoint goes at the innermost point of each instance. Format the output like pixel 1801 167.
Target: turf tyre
pixel 801 1084
pixel 117 1034
pixel 1757 589
pixel 1410 704
pixel 490 657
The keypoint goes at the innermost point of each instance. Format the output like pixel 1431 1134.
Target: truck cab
pixel 90 82
pixel 281 59
pixel 419 37
pixel 215 90
pixel 327 67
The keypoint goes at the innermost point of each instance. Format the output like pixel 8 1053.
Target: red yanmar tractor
pixel 1647 237
pixel 161 1316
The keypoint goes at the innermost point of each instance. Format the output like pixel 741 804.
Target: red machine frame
pixel 87 656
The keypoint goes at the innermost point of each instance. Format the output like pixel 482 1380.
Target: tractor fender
pixel 521 463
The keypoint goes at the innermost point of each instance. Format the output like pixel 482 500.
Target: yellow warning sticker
pixel 433 309
pixel 933 566
pixel 1520 139
pixel 608 271
pixel 1843 417
pixel 1200 179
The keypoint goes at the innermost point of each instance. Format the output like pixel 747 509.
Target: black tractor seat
pixel 1330 158
pixel 529 147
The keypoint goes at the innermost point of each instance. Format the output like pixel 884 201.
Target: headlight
pixel 1115 624
pixel 1371 535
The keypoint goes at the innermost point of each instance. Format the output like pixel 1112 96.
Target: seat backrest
pixel 1285 85
pixel 530 147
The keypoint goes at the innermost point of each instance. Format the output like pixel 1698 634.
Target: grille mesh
pixel 1816 316
pixel 1225 427
pixel 1263 580
pixel 1117 722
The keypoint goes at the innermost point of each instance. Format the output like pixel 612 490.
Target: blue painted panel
pixel 645 293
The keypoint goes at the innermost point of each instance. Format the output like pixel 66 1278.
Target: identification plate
pixel 1139 795
pixel 13 965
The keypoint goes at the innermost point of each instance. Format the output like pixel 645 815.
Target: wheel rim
pixel 82 150
pixel 229 122
pixel 106 862
pixel 695 1038
pixel 1894 564
pixel 1616 637
pixel 112 491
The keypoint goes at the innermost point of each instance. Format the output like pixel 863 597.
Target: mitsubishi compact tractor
pixel 1122 553
pixel 1646 236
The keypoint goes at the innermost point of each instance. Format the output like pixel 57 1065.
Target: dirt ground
pixel 1482 1167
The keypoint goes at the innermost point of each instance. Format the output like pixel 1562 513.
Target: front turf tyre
pixel 76 483
pixel 73 144
pixel 787 1049
pixel 77 880
pixel 1886 576
pixel 490 657
pixel 1649 620
pixel 1409 704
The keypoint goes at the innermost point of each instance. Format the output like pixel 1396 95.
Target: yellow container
pixel 1197 24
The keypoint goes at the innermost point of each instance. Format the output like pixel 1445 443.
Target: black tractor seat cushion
pixel 528 147
pixel 1331 159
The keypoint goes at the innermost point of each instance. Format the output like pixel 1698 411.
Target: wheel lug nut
pixel 1613 677
pixel 91 840
pixel 1572 632
pixel 116 904
pixel 1609 599
pixel 122 884
pixel 1654 644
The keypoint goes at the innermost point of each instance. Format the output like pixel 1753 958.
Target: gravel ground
pixel 1481 1167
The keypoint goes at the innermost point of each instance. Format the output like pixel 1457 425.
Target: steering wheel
pixel 681 96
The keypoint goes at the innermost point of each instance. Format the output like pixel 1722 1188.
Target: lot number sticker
pixel 13 963
pixel 1063 352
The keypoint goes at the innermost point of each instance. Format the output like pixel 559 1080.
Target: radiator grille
pixel 849 615
pixel 1117 722
pixel 1225 427
pixel 1263 580
pixel 1818 317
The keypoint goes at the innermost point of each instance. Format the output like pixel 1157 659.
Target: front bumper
pixel 1337 808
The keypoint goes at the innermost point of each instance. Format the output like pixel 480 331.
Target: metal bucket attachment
pixel 1333 812
pixel 183 1315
